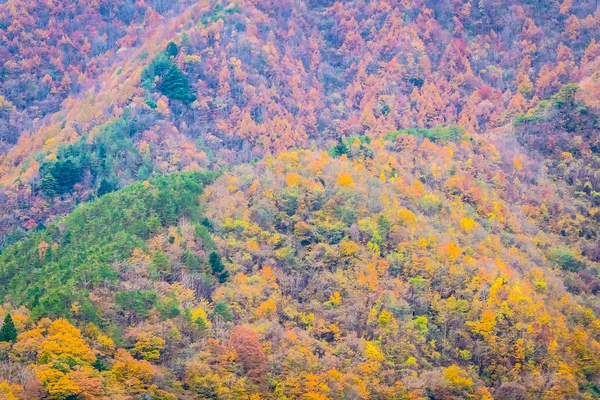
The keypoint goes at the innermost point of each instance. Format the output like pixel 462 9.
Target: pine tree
pixel 49 185
pixel 8 333
pixel 216 265
pixel 340 148
pixel 172 50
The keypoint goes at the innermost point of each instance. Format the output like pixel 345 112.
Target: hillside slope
pixel 246 79
pixel 300 199
pixel 369 272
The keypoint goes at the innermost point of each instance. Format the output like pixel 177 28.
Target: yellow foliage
pixel 149 346
pixel 200 318
pixel 373 353
pixel 293 179
pixel 10 392
pixel 63 339
pixel 518 164
pixel 251 244
pixel 20 321
pixel 63 388
pixel 183 294
pixel 134 375
pixel 407 217
pixel 348 248
pixel 106 344
pixel 467 224
pixel 386 319
pixel 451 251
pixel 458 377
pixel 485 325
pixel 345 180
pixel 335 298
pixel 193 59
pixel 144 147
pixel 27 343
pixel 75 307
pixel 269 276
pixel 267 309
pixel 5 105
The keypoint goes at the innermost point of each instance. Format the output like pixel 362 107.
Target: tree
pixel 175 85
pixel 172 50
pixel 223 310
pixel 8 333
pixel 49 185
pixel 217 267
pixel 172 82
pixel 135 376
pixel 250 353
pixel 511 391
pixel 148 347
pixel 340 148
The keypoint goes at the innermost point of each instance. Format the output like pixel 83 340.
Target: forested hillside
pixel 300 199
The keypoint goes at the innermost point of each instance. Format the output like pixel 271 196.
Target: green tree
pixel 217 267
pixel 8 333
pixel 49 185
pixel 223 310
pixel 172 50
pixel 340 148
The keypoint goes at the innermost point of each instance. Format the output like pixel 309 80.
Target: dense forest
pixel 300 199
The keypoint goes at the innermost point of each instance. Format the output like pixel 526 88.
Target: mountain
pixel 300 199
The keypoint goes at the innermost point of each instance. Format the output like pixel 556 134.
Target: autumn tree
pixel 250 353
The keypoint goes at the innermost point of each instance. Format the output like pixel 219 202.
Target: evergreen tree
pixel 223 310
pixel 106 187
pixel 49 185
pixel 216 265
pixel 8 333
pixel 340 148
pixel 172 50
pixel 175 85
pixel 223 276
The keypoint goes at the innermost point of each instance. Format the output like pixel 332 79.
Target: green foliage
pixel 160 264
pixel 8 332
pixel 60 176
pixel 437 134
pixel 192 262
pixel 420 324
pixel 172 50
pixel 565 98
pixel 111 150
pixel 527 119
pixel 223 310
pixel 216 266
pixel 566 260
pixel 82 247
pixel 220 13
pixel 346 147
pixel 13 237
pixel 165 76
pixel 137 303
pixel 339 149
pixel 168 308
